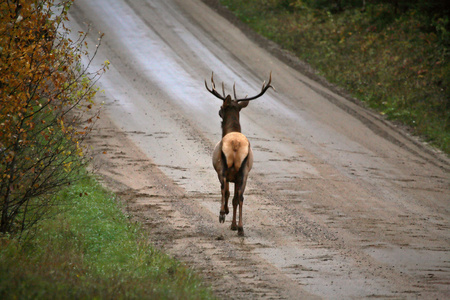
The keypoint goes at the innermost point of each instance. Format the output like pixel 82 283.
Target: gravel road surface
pixel 340 204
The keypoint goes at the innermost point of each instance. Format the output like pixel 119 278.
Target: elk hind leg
pixel 238 200
pixel 224 203
pixel 235 206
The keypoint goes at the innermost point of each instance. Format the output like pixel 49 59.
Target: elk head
pixel 229 111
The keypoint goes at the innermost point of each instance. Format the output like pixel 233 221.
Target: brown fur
pixel 232 160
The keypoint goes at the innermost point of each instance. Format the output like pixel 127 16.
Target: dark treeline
pixel 433 8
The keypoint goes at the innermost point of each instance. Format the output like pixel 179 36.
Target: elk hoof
pixel 233 227
pixel 221 218
pixel 240 231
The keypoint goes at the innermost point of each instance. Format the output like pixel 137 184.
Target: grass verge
pixel 397 62
pixel 89 249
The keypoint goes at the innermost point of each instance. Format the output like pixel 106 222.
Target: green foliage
pixel 391 55
pixel 89 249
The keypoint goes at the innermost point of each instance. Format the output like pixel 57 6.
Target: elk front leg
pixel 224 203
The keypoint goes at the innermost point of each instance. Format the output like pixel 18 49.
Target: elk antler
pixel 213 88
pixel 216 93
pixel 263 90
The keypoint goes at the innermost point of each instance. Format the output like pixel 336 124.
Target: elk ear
pixel 243 104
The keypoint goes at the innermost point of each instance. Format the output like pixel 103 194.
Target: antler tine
pixel 263 90
pixel 212 80
pixel 268 84
pixel 206 85
pixel 270 80
pixel 213 89
pixel 223 89
pixel 234 90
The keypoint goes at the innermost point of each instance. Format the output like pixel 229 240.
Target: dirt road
pixel 340 204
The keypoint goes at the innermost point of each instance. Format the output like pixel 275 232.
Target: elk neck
pixel 231 123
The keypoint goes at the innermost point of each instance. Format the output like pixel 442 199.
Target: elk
pixel 233 157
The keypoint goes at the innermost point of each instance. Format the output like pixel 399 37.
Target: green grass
pixel 89 249
pixel 395 62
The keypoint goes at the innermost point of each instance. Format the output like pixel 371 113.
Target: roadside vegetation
pixel 392 55
pixel 45 94
pixel 61 234
pixel 89 249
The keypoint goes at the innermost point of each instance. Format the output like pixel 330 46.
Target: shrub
pixel 44 92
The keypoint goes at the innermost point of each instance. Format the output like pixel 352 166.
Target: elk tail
pixel 235 145
pixel 235 151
